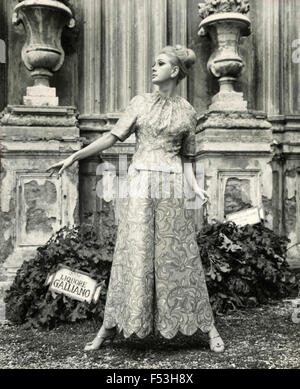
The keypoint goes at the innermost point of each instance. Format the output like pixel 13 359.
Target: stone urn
pixel 42 54
pixel 225 63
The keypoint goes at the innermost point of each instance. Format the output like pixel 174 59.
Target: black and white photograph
pixel 149 187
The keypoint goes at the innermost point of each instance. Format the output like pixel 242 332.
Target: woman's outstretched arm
pixel 103 143
pixel 123 128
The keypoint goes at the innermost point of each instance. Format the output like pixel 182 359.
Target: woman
pixel 157 281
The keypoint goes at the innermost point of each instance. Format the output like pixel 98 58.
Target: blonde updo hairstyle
pixel 182 57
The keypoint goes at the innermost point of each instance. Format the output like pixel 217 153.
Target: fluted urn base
pixel 228 99
pixel 41 94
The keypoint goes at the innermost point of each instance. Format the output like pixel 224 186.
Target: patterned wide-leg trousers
pixel 157 282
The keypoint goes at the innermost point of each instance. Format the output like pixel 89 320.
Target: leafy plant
pixel 218 6
pixel 244 267
pixel 29 300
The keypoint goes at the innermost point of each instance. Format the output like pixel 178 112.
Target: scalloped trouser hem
pixel 157 332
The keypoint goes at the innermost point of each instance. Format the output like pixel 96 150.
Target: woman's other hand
pixel 202 194
pixel 62 165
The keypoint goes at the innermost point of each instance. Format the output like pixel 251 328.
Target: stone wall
pixel 34 204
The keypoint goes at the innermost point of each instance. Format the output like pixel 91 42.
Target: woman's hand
pixel 201 193
pixel 64 164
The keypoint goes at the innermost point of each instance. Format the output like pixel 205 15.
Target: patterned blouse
pixel 164 128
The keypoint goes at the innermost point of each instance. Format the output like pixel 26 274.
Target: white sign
pixel 75 284
pixel 296 309
pixel 246 216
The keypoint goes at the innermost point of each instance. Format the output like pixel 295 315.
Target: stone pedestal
pixel 228 101
pixel 235 149
pixel 33 204
pixel 286 173
pixel 40 96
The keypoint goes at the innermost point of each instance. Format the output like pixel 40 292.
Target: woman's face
pixel 163 69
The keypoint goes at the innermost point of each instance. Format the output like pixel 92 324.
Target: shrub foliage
pixel 244 267
pixel 29 300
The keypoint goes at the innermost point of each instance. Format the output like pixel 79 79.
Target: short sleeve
pixel 125 126
pixel 188 148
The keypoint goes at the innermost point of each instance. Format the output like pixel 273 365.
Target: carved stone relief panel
pixel 38 208
pixel 236 195
pixel 238 190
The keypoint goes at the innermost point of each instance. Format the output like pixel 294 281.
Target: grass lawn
pixel 261 338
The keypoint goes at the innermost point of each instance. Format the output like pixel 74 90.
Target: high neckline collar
pixel 166 96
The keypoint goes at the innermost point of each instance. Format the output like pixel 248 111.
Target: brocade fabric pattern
pixel 157 282
pixel 164 128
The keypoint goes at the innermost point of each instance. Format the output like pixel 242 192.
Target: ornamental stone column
pixel 234 143
pixel 33 136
